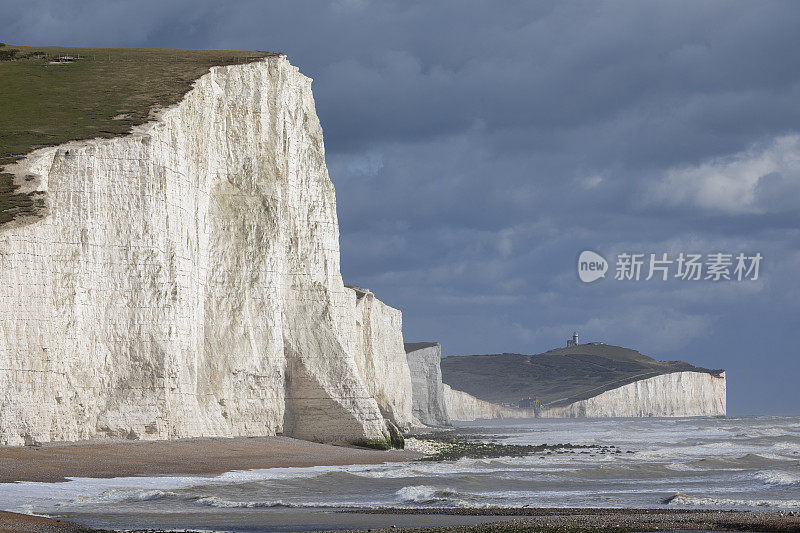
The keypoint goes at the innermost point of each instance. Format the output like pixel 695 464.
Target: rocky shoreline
pixel 545 520
pixel 452 446
pixel 608 520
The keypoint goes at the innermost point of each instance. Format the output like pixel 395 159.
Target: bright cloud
pixel 740 183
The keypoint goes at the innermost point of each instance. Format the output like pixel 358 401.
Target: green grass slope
pixel 45 101
pixel 558 377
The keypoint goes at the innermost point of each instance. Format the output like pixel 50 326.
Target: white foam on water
pixel 789 448
pixel 778 477
pixel 404 470
pixel 213 501
pixel 718 502
pixel 501 466
pixel 426 494
pixel 147 495
pixel 682 467
pixel 27 497
pixel 700 450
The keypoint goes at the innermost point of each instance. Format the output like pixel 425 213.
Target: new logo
pixel 591 266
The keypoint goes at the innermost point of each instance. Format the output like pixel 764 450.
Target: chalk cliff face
pixel 582 380
pixel 185 281
pixel 675 394
pixel 426 383
pixel 465 407
pixel 381 359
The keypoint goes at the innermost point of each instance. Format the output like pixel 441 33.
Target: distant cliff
pixel 184 281
pixel 428 403
pixel 587 380
pixel 465 407
pixel 675 394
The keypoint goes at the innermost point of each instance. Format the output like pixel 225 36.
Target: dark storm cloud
pixel 478 147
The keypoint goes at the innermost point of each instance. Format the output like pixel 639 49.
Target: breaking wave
pixel 150 495
pixel 776 477
pixel 681 499
pixel 682 467
pixel 213 501
pixel 206 501
pixel 425 494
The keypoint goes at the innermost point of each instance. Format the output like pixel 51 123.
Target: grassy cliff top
pixel 52 94
pixel 558 377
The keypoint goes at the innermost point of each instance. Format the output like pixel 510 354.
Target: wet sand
pixel 18 523
pixel 54 462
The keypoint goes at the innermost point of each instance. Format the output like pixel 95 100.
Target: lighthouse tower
pixel 574 340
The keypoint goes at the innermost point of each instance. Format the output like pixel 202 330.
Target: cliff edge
pixel 184 281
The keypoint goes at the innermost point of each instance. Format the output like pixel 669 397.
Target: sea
pixel 667 463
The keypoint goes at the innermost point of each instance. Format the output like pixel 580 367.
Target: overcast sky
pixel 478 148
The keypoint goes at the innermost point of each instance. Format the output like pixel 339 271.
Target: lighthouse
pixel 574 340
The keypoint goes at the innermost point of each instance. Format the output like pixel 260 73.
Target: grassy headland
pixel 53 94
pixel 557 377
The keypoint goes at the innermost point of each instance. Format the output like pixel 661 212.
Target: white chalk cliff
pixel 424 362
pixel 465 407
pixel 381 358
pixel 580 380
pixel 674 394
pixel 185 281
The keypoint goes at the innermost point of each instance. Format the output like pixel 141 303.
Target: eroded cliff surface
pixel 669 395
pixel 185 281
pixel 464 407
pixel 381 359
pixel 675 394
pixel 428 406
